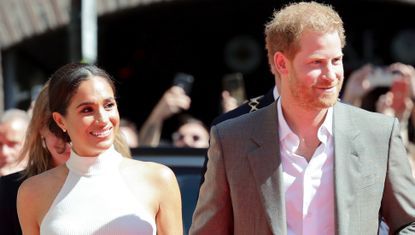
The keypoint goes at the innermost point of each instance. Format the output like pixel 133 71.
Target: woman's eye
pixel 109 105
pixel 337 60
pixel 86 110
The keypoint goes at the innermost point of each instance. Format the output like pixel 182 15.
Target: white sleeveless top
pixel 95 200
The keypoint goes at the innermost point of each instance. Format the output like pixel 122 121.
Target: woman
pixel 45 150
pixel 97 191
pixel 191 133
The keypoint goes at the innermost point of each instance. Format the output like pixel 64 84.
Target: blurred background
pixel 144 43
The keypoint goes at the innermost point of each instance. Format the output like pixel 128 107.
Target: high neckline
pixel 89 166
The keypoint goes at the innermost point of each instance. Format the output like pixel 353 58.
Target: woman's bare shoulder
pixel 44 182
pixel 150 170
pixel 37 193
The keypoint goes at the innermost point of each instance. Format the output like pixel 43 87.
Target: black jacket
pixel 9 222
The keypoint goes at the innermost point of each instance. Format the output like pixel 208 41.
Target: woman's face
pixel 191 135
pixel 91 118
pixel 59 149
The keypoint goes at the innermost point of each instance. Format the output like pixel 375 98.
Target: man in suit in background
pixel 306 164
pixel 251 105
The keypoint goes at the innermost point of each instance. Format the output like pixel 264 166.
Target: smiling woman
pixel 97 190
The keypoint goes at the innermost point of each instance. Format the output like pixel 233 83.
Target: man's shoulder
pixel 361 116
pixel 241 110
pixel 251 105
pixel 245 122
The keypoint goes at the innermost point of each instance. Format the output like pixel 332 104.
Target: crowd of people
pixel 305 158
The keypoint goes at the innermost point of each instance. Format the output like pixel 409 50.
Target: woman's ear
pixel 57 117
pixel 280 62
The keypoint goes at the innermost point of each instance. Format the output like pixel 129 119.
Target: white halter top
pixel 95 200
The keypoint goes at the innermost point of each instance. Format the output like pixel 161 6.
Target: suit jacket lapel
pixel 267 169
pixel 346 165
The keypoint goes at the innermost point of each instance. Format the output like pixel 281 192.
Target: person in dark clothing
pixel 252 105
pixel 9 222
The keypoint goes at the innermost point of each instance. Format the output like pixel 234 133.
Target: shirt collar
pixel 275 93
pixel 325 131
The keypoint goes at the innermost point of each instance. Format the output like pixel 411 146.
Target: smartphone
pixel 234 84
pixel 381 78
pixel 184 81
pixel 400 90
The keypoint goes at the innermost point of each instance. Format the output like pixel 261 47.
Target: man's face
pixel 11 141
pixel 315 75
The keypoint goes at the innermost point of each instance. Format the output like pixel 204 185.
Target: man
pixel 252 105
pixel 13 125
pixel 306 164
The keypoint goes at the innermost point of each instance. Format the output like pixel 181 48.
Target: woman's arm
pixel 169 216
pixel 27 208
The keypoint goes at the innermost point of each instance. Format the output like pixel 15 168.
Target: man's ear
pixel 280 62
pixel 59 120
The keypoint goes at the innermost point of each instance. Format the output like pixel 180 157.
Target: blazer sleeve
pixel 398 203
pixel 213 213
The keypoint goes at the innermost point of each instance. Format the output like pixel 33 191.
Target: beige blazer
pixel 243 194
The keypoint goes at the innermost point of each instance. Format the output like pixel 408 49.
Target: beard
pixel 311 97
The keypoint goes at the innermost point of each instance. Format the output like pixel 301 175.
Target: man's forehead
pixel 14 131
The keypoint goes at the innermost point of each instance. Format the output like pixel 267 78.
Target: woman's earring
pixel 43 142
pixel 64 130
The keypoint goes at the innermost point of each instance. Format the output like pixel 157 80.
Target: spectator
pixel 173 101
pixel 129 131
pixel 13 125
pixel 191 133
pixel 229 103
pixel 98 190
pixel 251 105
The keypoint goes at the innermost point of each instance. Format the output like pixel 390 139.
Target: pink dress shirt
pixel 308 186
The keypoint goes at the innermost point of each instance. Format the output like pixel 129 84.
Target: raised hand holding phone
pixel 401 102
pixel 184 81
pixel 234 84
